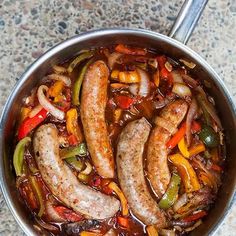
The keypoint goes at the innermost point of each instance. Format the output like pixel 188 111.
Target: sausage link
pixel 131 174
pixel 157 166
pixel 93 104
pixel 63 183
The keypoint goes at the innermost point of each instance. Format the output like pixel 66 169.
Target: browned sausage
pixel 93 104
pixel 130 150
pixel 157 167
pixel 63 183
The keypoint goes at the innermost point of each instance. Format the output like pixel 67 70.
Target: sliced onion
pixel 190 81
pixel 189 64
pixel 59 69
pixel 177 78
pixel 47 105
pixel 65 79
pixel 133 88
pixel 112 59
pixel 88 169
pixel 190 116
pixel 199 222
pixel 144 88
pixel 183 199
pixel 52 213
pixel 35 110
pixel 167 232
pixel 45 225
pixel 181 90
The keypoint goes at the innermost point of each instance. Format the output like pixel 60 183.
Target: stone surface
pixel 29 27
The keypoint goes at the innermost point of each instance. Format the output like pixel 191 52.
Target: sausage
pixel 93 104
pixel 63 183
pixel 157 168
pixel 130 170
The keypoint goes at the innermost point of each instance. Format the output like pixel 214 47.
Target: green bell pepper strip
pixel 18 156
pixel 79 150
pixel 209 137
pixel 171 193
pixel 39 195
pixel 79 59
pixel 77 86
pixel 77 164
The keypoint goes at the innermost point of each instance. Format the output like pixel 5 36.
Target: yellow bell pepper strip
pixel 77 86
pixel 87 233
pixel 129 77
pixel 39 195
pixel 205 179
pixel 56 89
pixel 182 145
pixel 72 125
pixel 197 149
pixel 186 172
pixel 171 193
pixel 156 78
pixel 115 74
pixel 79 59
pixel 18 156
pixel 119 193
pixel 79 150
pixel 24 113
pixel 117 114
pixel 151 230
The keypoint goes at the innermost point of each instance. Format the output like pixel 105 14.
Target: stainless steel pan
pixel 181 31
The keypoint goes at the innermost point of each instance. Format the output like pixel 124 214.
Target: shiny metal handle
pixel 187 19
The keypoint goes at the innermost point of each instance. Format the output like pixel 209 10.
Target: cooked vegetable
pixel 76 163
pixel 79 59
pixel 47 104
pixel 30 123
pixel 171 193
pixel 209 137
pixel 197 149
pixel 182 200
pixel 121 48
pixel 195 216
pixel 18 156
pixel 25 111
pixel 144 87
pixel 112 59
pixel 65 79
pixel 186 172
pixel 79 150
pixel 151 230
pixel 182 145
pixel 156 78
pixel 119 193
pixel 181 90
pixel 129 77
pixel 39 195
pixel 124 102
pixel 87 233
pixel 189 64
pixel 56 89
pixel 88 168
pixel 72 125
pixel 77 85
pixel 122 221
pixel 35 111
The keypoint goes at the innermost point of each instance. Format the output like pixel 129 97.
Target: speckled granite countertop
pixel 29 27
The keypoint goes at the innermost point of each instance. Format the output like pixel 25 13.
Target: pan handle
pixel 187 19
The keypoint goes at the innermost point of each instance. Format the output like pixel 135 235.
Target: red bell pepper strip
pixel 29 124
pixel 124 102
pixel 196 127
pixel 195 216
pixel 121 48
pixel 73 141
pixel 68 214
pixel 216 168
pixel 122 221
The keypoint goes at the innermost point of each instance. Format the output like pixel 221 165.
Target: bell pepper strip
pixel 215 155
pixel 72 125
pixel 123 222
pixel 186 172
pixel 117 115
pixel 68 214
pixel 118 86
pixel 124 102
pixel 216 167
pixel 205 179
pixel 77 164
pixel 18 156
pixel 171 193
pixel 79 59
pixel 80 150
pixel 87 233
pixel 156 78
pixel 181 133
pixel 39 195
pixel 195 216
pixel 121 48
pixel 151 230
pixel 115 74
pixel 119 193
pixel 56 89
pixel 197 149
pixel 83 177
pixel 129 77
pixel 24 113
pixel 30 123
pixel 72 140
pixel 182 145
pixel 77 86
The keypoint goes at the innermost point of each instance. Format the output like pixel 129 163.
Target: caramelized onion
pixel 183 199
pixel 60 115
pixel 65 79
pixel 51 212
pixel 133 88
pixel 35 111
pixel 144 88
pixel 112 59
pixel 181 90
pixel 45 225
